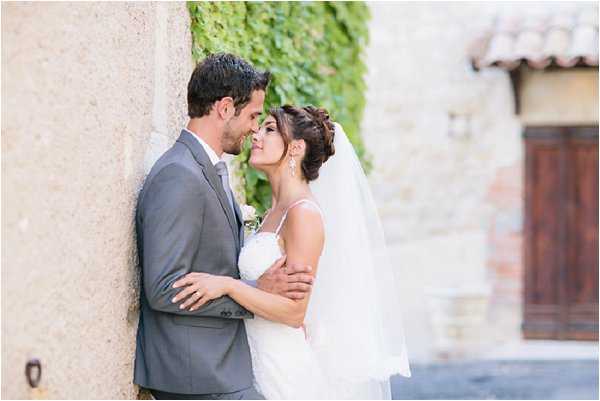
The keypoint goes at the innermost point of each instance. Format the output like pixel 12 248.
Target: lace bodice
pixel 258 254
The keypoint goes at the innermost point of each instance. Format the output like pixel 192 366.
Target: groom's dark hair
pixel 221 75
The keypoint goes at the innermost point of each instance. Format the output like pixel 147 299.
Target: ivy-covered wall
pixel 313 49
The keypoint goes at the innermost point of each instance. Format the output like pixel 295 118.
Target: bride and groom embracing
pixel 306 307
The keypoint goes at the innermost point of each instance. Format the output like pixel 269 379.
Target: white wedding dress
pixel 284 364
pixel 353 321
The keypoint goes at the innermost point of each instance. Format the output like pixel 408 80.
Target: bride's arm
pixel 303 238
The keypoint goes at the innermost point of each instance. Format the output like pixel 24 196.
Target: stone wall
pixel 92 93
pixel 448 159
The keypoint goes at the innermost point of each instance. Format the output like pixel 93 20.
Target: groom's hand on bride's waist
pixel 291 281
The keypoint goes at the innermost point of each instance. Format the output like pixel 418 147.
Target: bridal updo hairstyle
pixel 314 126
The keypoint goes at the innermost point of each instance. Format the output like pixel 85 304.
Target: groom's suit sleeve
pixel 172 217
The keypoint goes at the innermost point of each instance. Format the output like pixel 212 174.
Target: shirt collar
pixel 212 155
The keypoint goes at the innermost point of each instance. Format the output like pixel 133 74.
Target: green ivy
pixel 313 50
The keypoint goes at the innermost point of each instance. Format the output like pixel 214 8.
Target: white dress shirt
pixel 214 159
pixel 212 155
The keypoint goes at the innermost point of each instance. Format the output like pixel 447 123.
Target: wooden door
pixel 561 233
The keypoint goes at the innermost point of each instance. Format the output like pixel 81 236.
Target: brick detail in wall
pixel 505 239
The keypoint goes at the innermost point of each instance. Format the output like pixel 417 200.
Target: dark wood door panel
pixel 582 237
pixel 561 233
pixel 544 203
pixel 582 256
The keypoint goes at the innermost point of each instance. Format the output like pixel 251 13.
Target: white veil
pixel 354 320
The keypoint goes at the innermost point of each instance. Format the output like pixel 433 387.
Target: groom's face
pixel 244 124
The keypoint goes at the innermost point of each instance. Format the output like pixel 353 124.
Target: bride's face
pixel 267 146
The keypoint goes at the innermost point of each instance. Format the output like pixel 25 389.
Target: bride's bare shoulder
pixel 305 220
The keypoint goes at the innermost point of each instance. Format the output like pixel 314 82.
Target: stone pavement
pixel 503 380
pixel 543 350
pixel 521 370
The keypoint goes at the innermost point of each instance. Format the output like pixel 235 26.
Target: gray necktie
pixel 222 172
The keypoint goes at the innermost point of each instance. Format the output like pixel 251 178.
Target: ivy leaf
pixel 251 177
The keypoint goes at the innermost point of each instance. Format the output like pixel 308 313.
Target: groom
pixel 187 220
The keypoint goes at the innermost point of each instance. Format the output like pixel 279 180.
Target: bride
pixel 346 339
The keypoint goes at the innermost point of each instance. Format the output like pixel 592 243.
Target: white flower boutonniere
pixel 248 213
pixel 251 220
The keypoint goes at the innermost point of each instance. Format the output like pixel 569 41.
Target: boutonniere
pixel 251 219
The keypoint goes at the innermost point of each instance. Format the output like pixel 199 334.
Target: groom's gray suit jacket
pixel 184 224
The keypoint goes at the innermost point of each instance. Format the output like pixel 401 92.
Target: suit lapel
pixel 213 179
pixel 240 218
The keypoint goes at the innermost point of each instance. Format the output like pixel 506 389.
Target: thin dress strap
pixel 263 219
pixel 291 206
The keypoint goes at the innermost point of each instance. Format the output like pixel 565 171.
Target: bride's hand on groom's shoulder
pixel 291 281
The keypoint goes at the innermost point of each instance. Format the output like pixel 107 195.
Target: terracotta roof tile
pixel 563 38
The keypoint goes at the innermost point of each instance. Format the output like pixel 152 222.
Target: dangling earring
pixel 293 166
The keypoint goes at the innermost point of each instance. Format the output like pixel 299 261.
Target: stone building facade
pixel 448 151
